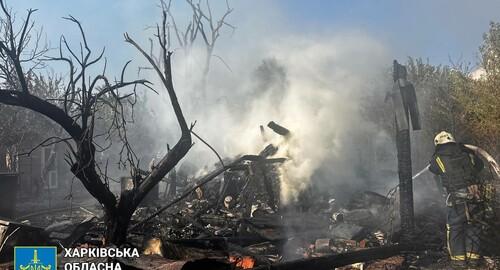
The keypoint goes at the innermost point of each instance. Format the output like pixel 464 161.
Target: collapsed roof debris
pixel 231 218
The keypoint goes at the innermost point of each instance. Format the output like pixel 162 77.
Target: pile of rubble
pixel 231 218
pixel 243 231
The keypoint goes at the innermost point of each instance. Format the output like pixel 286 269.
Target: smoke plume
pixel 314 87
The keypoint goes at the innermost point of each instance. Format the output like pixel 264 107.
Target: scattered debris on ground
pixel 231 218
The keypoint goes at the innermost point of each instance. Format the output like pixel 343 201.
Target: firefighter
pixel 458 168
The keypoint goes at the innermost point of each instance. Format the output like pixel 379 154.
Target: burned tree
pixel 202 24
pixel 80 107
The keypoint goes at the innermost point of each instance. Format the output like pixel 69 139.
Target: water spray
pixel 421 172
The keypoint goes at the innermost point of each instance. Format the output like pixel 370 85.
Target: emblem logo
pixel 35 258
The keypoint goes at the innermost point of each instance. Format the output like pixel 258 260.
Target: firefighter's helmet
pixel 443 137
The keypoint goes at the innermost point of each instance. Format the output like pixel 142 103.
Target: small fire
pixel 245 262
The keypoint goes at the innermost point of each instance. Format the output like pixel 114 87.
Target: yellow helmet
pixel 443 137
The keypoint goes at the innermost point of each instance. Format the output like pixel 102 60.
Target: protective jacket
pixel 457 165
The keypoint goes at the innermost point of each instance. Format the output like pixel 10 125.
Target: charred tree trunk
pixel 117 219
pixel 116 226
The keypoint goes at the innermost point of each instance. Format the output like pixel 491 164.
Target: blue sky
pixel 434 29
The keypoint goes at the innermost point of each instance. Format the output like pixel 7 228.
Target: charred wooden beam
pixel 278 129
pixel 331 261
pixel 405 185
pixel 405 113
pixel 268 151
pixel 261 167
pixel 158 262
pixel 263 133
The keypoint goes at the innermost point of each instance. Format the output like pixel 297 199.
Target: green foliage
pixel 490 51
pixel 454 100
pixel 483 105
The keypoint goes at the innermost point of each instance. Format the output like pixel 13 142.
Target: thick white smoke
pixel 314 87
pixel 320 105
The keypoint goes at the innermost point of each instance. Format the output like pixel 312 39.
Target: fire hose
pixel 495 168
pixel 478 151
pixel 491 161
